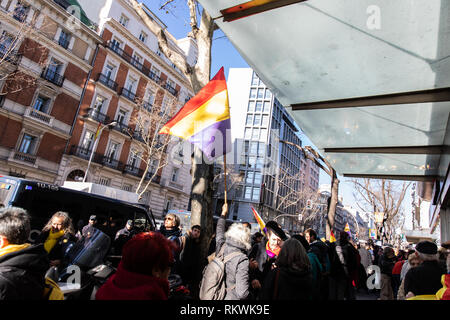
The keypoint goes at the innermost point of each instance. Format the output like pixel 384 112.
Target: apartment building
pixel 130 79
pixel 258 123
pixel 46 60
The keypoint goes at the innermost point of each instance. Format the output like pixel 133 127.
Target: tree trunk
pixel 333 204
pixel 201 199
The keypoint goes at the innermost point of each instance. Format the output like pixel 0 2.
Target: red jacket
pixel 126 285
pixel 398 267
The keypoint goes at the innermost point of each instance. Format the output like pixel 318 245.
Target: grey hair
pixel 15 225
pixel 427 257
pixel 240 234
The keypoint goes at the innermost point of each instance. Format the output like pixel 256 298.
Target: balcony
pixel 98 116
pixel 135 171
pixel 24 157
pixel 52 76
pixel 107 81
pixel 122 128
pixel 138 136
pixel 128 94
pixel 171 89
pixel 80 152
pixel 147 106
pixel 109 162
pixel 42 117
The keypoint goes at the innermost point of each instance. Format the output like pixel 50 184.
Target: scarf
pixel 52 239
pixel 272 253
pixel 13 248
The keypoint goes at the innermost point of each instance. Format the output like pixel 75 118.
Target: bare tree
pixel 292 196
pixel 325 165
pixel 202 29
pixel 382 196
pixel 151 147
pixel 13 45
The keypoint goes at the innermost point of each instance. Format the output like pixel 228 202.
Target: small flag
pixel 260 221
pixel 205 119
pixel 332 237
pixel 347 229
pixel 98 130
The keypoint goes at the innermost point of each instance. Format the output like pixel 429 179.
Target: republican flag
pixel 260 221
pixel 347 229
pixel 98 131
pixel 332 237
pixel 205 119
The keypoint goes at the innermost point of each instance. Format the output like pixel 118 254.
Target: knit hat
pixel 426 247
pixel 272 225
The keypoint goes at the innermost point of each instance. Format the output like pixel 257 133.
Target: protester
pixel 426 278
pixel 291 279
pixel 234 243
pixel 366 257
pixel 172 231
pixel 413 261
pixel 22 265
pixel 191 265
pixel 143 271
pixel 406 265
pixel 58 237
pixel 444 292
pixel 316 267
pixel 257 238
pixel 396 271
pixel 266 252
pixel 341 280
pixel 386 264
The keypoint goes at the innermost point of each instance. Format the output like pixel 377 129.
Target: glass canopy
pixel 329 62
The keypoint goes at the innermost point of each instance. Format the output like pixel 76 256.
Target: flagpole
pixel 225 175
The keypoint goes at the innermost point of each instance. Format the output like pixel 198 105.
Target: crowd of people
pixel 267 265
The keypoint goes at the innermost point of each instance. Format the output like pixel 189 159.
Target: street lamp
pixel 112 124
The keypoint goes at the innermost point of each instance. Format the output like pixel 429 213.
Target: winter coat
pixel 316 272
pixel 62 248
pixel 236 269
pixel 292 285
pixel 126 285
pixel 175 236
pixel 320 249
pixel 348 256
pixel 190 264
pixel 386 265
pixel 424 279
pixel 265 262
pixel 366 257
pixel 22 274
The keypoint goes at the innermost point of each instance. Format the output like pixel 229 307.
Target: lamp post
pixel 95 147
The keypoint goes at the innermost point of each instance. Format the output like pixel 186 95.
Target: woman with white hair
pixel 234 243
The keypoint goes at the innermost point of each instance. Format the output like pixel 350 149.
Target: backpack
pixel 213 285
pixel 52 290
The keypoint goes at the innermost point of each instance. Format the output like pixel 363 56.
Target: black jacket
pixel 424 279
pixel 386 265
pixel 22 274
pixel 292 285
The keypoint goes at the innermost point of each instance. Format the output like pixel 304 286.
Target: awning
pixel 367 81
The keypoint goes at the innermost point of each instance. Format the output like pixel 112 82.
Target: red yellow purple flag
pixel 332 237
pixel 260 221
pixel 205 119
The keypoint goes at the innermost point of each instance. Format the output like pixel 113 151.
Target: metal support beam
pixel 253 7
pixel 392 177
pixel 393 150
pixel 424 96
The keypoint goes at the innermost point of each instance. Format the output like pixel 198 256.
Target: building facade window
pixel 64 39
pixel 175 174
pixel 28 144
pixel 143 36
pixel 42 104
pixel 124 20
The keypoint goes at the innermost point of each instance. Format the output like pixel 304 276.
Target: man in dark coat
pixel 22 265
pixel 122 236
pixel 191 265
pixel 426 278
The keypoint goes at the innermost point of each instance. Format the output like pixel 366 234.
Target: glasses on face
pixel 170 219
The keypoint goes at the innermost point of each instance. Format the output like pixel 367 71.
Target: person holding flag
pixel 264 254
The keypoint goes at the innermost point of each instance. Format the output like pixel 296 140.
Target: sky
pixel 224 54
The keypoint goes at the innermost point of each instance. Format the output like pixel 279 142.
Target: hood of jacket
pixel 126 285
pixel 235 245
pixel 33 259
